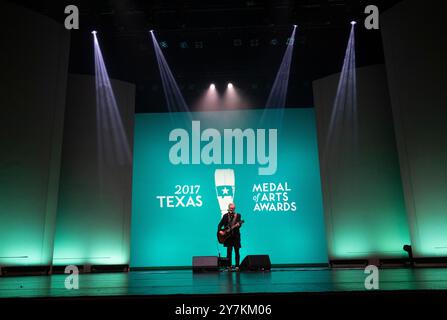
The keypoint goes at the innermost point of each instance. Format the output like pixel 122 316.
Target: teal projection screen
pixel 189 166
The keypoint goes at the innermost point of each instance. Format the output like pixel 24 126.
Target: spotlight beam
pixel 233 98
pixel 174 98
pixel 278 93
pixel 112 139
pixel 343 122
pixel 209 99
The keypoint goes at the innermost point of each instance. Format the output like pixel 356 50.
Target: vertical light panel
pixel 93 219
pixel 33 64
pixel 415 55
pixel 362 190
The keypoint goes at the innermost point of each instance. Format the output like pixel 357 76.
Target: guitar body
pixel 224 234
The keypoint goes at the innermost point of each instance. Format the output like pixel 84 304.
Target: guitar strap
pixel 233 222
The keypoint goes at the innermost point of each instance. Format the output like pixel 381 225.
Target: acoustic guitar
pixel 223 235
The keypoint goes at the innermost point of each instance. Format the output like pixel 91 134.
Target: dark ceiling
pixel 217 41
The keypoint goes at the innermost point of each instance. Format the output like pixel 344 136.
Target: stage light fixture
pixel 290 41
pixel 353 22
pixel 212 86
pixel 407 248
pixel 237 42
pixel 254 42
pixel 295 25
pixel 94 32
pixel 233 98
pixel 151 31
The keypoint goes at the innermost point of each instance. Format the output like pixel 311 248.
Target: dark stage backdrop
pixel 187 168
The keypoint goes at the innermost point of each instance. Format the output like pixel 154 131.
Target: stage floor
pixel 184 282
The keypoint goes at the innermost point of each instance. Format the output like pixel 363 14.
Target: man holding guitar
pixel 228 233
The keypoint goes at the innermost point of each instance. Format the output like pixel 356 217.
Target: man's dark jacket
pixel 235 238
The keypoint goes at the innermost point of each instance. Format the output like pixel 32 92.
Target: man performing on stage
pixel 228 229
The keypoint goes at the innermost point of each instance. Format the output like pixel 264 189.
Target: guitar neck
pixel 237 224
